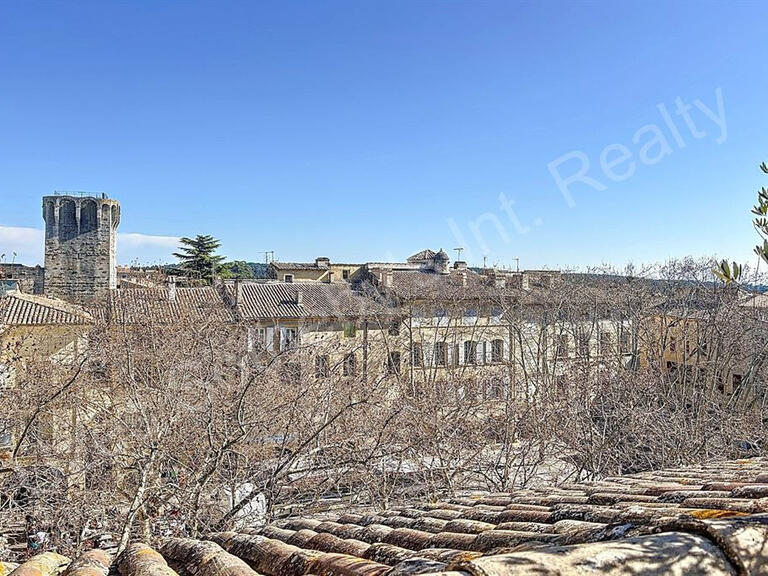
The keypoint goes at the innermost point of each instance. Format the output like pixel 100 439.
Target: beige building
pixel 321 270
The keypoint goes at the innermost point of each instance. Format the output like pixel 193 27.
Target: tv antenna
pixel 458 252
pixel 517 263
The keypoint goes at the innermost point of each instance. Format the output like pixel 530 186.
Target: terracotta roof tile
pixel 18 309
pixel 267 300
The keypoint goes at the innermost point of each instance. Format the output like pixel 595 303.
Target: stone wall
pixel 80 246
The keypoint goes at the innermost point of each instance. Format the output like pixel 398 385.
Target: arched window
pixel 88 216
pixel 49 215
pixel 67 220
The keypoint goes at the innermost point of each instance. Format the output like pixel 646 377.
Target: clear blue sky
pixel 370 130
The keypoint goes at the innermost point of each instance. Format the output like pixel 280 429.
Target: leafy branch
pixel 732 272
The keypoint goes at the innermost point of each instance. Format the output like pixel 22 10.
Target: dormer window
pixel 288 278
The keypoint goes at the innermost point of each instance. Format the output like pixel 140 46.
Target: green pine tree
pixel 198 256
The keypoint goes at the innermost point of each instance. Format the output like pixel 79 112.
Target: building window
pixel 583 344
pixel 350 330
pixel 394 328
pixel 494 389
pixel 349 367
pixel 288 278
pixel 624 342
pixel 497 351
pixel 417 355
pixel 257 338
pixel 441 354
pixel 673 343
pixel 455 359
pixel 290 338
pixel 470 352
pixel 345 274
pixel 5 434
pixel 393 363
pixel 322 367
pixel 563 344
pixel 606 344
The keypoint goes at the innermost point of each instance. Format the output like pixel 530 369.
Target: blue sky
pixel 370 130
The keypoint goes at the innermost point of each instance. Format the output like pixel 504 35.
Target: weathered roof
pixel 161 305
pixel 695 520
pixel 421 256
pixel 296 266
pixel 19 309
pixel 274 300
pixel 691 520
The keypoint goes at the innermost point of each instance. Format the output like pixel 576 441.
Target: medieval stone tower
pixel 80 246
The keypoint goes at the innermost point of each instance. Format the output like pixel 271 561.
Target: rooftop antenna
pixel 517 263
pixel 14 258
pixel 485 258
pixel 458 253
pixel 269 256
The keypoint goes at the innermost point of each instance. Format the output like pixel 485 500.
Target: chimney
pixel 299 298
pixel 171 289
pixel 388 278
pixel 238 292
pixel 464 278
pixel 322 262
pixel 459 265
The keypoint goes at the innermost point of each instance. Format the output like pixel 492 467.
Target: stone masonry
pixel 80 246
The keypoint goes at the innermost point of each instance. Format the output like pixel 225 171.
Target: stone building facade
pixel 80 246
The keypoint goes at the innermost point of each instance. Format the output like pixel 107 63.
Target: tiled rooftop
pixel 166 305
pixel 19 309
pixel 318 300
pixel 703 520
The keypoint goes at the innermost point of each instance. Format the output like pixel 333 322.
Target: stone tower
pixel 80 246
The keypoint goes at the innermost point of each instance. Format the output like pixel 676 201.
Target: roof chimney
pixel 322 262
pixel 460 265
pixel 464 278
pixel 171 289
pixel 238 292
pixel 299 298
pixel 388 278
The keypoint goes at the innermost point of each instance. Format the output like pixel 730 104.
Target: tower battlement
pixel 80 245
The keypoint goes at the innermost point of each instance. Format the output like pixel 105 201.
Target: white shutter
pixel 270 338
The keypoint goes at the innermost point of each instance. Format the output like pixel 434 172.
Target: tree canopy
pixel 198 256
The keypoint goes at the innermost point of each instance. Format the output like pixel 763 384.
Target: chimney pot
pixel 171 289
